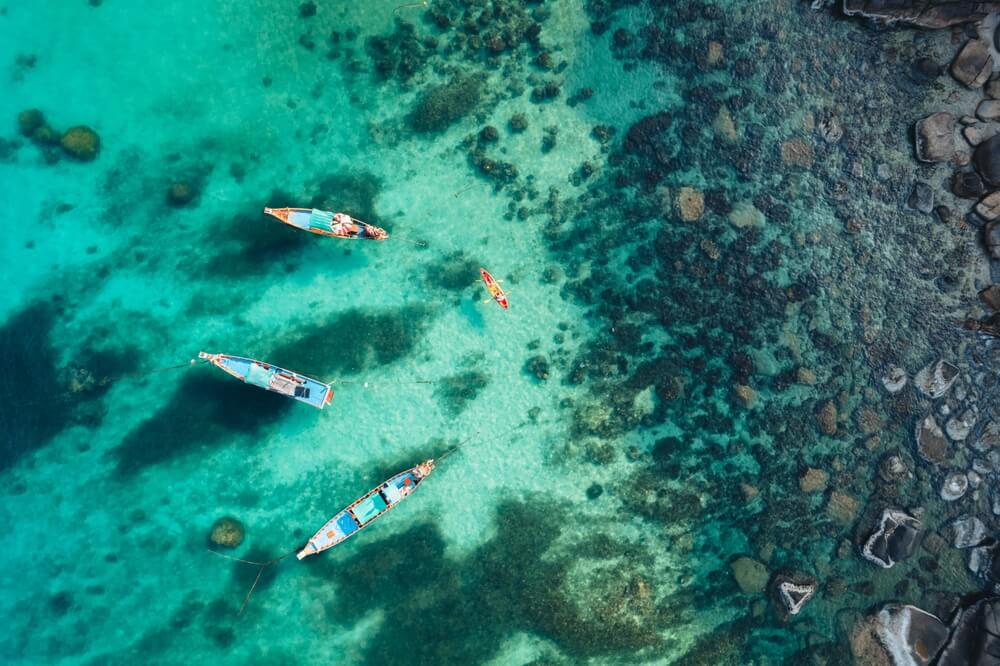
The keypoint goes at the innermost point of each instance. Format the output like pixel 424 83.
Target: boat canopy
pixel 346 524
pixel 370 508
pixel 258 376
pixel 321 219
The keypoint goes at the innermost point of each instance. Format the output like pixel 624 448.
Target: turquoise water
pixel 594 506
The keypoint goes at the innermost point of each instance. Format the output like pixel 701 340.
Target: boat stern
pixel 307 550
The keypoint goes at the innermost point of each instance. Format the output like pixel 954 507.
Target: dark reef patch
pixel 440 610
pixel 455 271
pixel 355 193
pixel 34 402
pixel 206 410
pixel 354 341
pixel 251 243
pixel 440 106
pixel 455 392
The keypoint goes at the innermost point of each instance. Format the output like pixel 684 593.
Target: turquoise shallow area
pixel 607 475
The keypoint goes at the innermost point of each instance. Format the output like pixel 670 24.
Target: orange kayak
pixel 493 287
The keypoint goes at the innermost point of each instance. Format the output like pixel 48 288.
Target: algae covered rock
pixel 935 137
pixel 30 120
pixel 81 142
pixel 180 194
pixel 442 105
pixel 750 575
pixel 227 532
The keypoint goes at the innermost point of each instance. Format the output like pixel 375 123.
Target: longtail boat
pixel 492 286
pixel 364 510
pixel 271 377
pixel 325 223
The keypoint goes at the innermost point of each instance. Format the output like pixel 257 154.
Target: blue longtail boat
pixel 325 223
pixel 271 377
pixel 364 510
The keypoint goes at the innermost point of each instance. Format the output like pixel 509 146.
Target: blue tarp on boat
pixel 346 524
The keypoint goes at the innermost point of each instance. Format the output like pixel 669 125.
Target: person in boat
pixel 343 225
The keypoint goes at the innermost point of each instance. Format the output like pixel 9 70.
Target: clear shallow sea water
pixel 502 556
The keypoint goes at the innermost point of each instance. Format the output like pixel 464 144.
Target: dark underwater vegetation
pixel 744 408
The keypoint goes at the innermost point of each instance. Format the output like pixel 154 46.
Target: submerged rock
pixel 967 531
pixel 842 508
pixel 910 635
pixel 935 137
pixel 894 380
pixel 954 487
pixel 180 194
pixel 931 443
pixel 227 532
pixel 750 575
pixel 690 204
pixel 814 480
pixel 921 197
pixel 959 427
pixel 973 64
pixel 892 469
pixel 894 538
pixel 935 379
pixel 30 120
pixel 827 418
pixel 81 142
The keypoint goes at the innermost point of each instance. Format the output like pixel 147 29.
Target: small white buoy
pixel 366 384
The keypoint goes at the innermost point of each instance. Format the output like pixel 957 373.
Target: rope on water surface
pixel 410 5
pixel 262 565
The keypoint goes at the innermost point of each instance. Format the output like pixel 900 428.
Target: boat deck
pixel 279 380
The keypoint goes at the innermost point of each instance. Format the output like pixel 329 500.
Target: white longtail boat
pixel 364 510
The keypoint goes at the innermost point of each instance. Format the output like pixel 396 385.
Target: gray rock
pixel 935 379
pixel 925 14
pixel 990 296
pixel 973 64
pixel 991 238
pixel 967 531
pixel 894 538
pixel 954 487
pixel 921 197
pixel 959 427
pixel 989 207
pixel 992 88
pixel 910 635
pixel 984 563
pixel 894 380
pixel 988 109
pixel 975 636
pixel 977 133
pixel 935 137
pixel 931 443
pixel 892 469
pixel 987 160
pixel 967 185
pixel 830 128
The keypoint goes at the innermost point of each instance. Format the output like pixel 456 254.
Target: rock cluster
pixel 80 142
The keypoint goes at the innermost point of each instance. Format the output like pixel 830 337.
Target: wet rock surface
pixel 910 635
pixel 894 538
pixel 935 137
pixel 973 64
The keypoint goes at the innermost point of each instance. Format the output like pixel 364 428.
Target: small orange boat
pixel 325 223
pixel 492 286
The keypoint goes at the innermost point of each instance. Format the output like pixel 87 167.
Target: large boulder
pixel 894 538
pixel 975 636
pixel 81 142
pixel 967 531
pixel 792 590
pixel 931 442
pixel 935 137
pixel 989 207
pixel 935 379
pixel 987 160
pixel 990 296
pixel 923 13
pixel 910 635
pixel 973 64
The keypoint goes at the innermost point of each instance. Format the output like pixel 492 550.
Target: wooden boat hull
pixel 318 222
pixel 364 510
pixel 272 378
pixel 493 287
